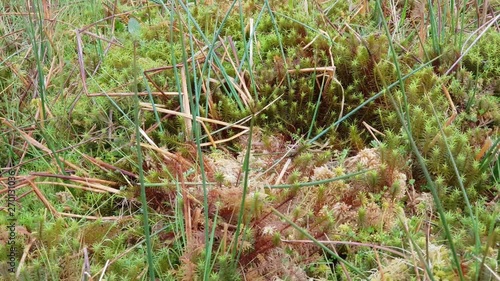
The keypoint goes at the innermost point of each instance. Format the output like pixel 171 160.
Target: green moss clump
pixel 483 59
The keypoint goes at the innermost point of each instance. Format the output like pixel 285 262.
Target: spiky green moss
pixel 302 103
pixel 358 62
pixel 483 61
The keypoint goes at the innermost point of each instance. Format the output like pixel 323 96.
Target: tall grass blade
pixel 321 245
pixel 405 123
pixel 246 169
pixel 145 215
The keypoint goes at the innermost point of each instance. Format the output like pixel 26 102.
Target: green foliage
pixel 227 269
pixel 483 61
pixel 289 50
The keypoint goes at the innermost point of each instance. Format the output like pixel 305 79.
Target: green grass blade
pixel 405 123
pixel 374 97
pixel 145 215
pixel 246 169
pixel 321 245
pixel 313 183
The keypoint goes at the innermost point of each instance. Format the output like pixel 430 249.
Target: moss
pixel 482 59
pixel 299 103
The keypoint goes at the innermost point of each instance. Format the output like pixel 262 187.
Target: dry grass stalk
pixel 26 251
pixel 209 135
pixel 148 106
pixel 131 94
pixel 86 265
pixel 97 186
pixel 283 171
pixel 422 31
pixel 42 198
pixel 112 218
pixel 488 143
pixel 81 64
pixel 26 137
pixel 371 130
pixel 27 84
pixel 185 103
pixel 379 264
pixel 108 167
pixel 168 155
pixel 54 70
pixel 350 243
pixel 245 95
pixel 29 139
pixel 452 117
pixel 187 214
pixel 53 183
pixel 73 178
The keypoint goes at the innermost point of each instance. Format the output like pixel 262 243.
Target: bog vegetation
pixel 250 140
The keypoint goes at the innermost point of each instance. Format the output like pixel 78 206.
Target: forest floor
pixel 264 140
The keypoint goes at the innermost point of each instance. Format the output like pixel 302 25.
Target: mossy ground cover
pixel 332 140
